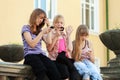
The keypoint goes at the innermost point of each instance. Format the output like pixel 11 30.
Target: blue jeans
pixel 87 67
pixel 82 69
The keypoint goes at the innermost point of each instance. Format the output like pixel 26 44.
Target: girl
pixel 83 55
pixel 32 35
pixel 60 47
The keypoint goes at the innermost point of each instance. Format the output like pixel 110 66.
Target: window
pixel 90 15
pixel 49 6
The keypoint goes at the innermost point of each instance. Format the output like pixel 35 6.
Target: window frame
pixel 43 4
pixel 95 6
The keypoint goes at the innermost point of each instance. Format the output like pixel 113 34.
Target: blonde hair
pixel 81 30
pixel 57 17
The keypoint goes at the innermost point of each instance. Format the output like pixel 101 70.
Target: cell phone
pixel 61 28
pixel 52 27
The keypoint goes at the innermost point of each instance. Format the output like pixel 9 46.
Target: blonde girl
pixel 60 48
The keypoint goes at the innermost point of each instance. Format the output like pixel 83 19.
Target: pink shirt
pixel 85 50
pixel 61 46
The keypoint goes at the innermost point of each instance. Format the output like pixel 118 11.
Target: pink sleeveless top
pixel 85 49
pixel 59 46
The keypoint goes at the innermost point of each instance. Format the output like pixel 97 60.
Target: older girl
pixel 32 35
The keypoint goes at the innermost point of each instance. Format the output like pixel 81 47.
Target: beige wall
pixel 71 11
pixel 114 14
pixel 114 17
pixel 99 47
pixel 15 13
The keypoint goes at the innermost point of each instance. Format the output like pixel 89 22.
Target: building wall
pixel 15 13
pixel 71 13
pixel 114 17
pixel 99 48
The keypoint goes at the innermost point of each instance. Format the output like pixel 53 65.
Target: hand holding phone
pixel 52 27
pixel 89 52
pixel 60 28
pixel 46 21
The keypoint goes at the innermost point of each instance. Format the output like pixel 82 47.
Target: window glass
pixel 90 14
pixel 49 6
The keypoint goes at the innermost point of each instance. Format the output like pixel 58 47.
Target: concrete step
pixel 110 70
pixel 107 77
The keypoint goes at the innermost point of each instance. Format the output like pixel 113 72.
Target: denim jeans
pixel 88 70
pixel 82 69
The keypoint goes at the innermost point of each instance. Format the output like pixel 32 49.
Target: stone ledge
pixel 15 70
pixel 110 78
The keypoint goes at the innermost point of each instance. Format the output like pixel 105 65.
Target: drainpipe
pixel 107 27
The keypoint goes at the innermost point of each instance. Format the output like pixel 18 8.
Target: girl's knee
pixel 86 76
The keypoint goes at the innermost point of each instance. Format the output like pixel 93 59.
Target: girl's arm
pixel 33 42
pixel 69 42
pixel 52 39
pixel 70 46
pixel 91 53
pixel 47 38
pixel 50 46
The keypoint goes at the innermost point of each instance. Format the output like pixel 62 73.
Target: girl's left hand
pixel 69 30
pixel 89 53
pixel 46 30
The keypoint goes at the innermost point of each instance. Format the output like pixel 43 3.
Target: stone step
pixel 115 62
pixel 113 70
pixel 109 77
pixel 15 71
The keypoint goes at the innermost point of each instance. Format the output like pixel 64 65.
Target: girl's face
pixel 83 37
pixel 59 23
pixel 40 19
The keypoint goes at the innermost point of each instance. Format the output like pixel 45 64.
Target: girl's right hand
pixel 46 30
pixel 47 22
pixel 89 53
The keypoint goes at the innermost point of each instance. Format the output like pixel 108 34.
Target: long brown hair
pixel 32 20
pixel 81 30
